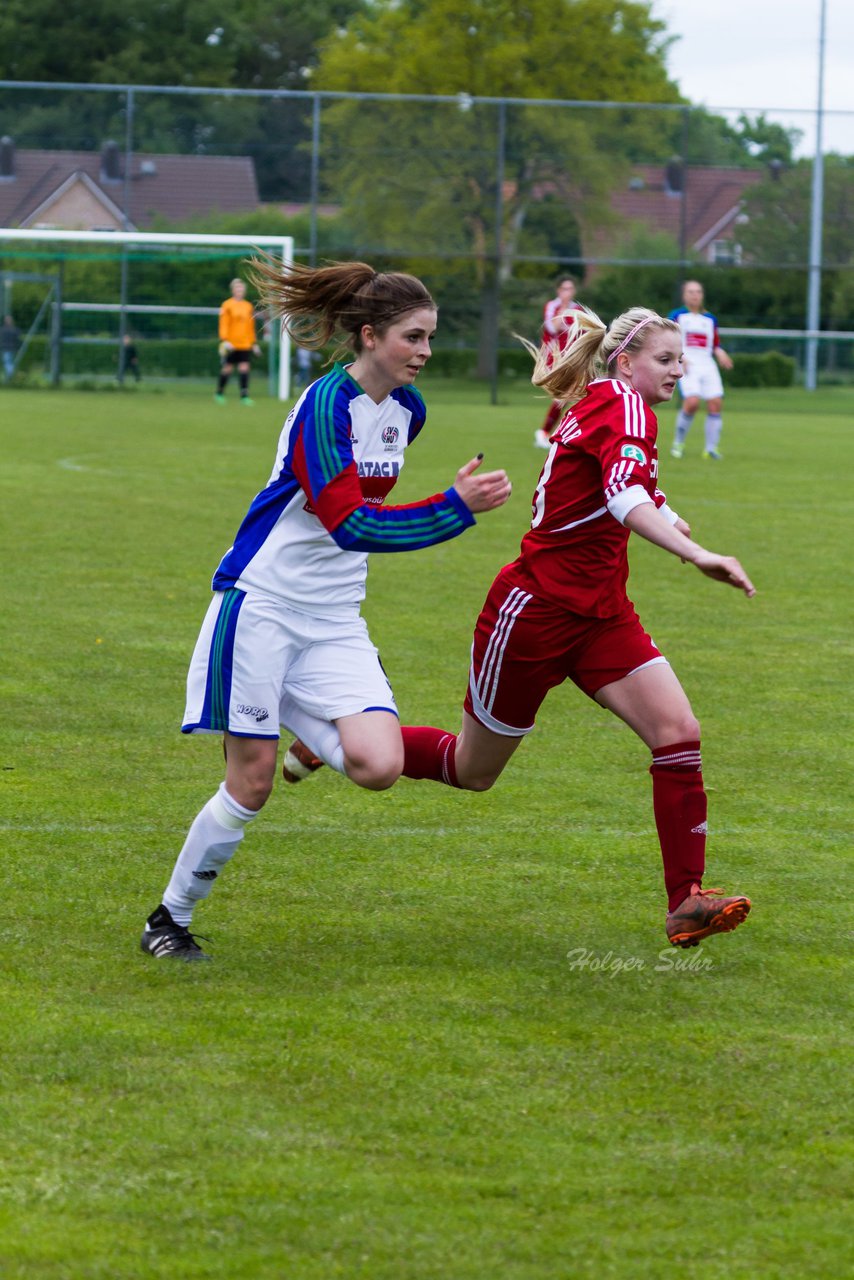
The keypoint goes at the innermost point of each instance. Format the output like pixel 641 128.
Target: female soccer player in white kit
pixel 701 377
pixel 283 641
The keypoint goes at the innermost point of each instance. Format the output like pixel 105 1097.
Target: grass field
pixel 442 1038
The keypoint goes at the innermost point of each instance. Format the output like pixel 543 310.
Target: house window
pixel 725 253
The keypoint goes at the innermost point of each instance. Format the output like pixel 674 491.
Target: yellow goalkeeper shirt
pixel 237 323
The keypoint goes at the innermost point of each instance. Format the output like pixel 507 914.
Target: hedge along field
pixel 442 1036
pixel 196 358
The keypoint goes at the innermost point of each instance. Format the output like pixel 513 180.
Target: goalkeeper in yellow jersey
pixel 237 342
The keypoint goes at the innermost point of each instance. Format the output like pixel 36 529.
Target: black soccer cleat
pixel 166 940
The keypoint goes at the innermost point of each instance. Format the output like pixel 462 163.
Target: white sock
pixel 683 425
pixel 211 842
pixel 320 736
pixel 714 426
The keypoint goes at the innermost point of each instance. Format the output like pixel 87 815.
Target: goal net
pixel 84 302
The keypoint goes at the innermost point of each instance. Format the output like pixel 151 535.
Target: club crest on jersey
pixel 390 435
pixel 632 451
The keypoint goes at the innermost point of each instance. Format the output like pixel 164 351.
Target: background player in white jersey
pixel 560 611
pixel 702 380
pixel 555 330
pixel 283 641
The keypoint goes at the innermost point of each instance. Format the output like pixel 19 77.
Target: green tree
pixel 265 44
pixel 750 143
pixel 249 44
pixel 617 287
pixel 778 215
pixel 777 233
pixel 106 42
pixel 766 142
pixel 420 180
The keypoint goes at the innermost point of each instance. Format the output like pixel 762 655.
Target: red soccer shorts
pixel 523 646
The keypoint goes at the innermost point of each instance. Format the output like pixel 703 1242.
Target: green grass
pixel 395 1068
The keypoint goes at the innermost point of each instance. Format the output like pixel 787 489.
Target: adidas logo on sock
pixel 702 830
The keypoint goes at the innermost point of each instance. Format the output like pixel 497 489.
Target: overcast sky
pixel 765 54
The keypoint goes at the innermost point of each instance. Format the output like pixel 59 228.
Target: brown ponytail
pixel 319 305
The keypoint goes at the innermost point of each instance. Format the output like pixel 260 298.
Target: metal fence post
pixel 315 177
pixel 126 225
pixel 499 244
pixel 816 214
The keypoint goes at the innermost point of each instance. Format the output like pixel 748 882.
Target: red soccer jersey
pixel 555 324
pixel 575 551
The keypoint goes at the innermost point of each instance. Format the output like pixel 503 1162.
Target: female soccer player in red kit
pixel 560 611
pixel 557 321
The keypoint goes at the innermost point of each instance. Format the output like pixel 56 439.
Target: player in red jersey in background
pixel 556 325
pixel 560 611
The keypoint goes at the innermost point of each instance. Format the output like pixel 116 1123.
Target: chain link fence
pixel 488 200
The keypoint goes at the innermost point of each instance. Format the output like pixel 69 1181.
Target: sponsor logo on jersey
pixel 390 435
pixel 634 452
pixel 260 713
pixel 386 468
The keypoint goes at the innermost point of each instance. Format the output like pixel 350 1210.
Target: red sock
pixel 679 802
pixel 429 753
pixel 555 413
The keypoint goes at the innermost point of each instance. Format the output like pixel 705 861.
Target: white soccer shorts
pixel 702 378
pixel 253 652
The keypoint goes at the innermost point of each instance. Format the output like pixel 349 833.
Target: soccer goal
pixel 83 299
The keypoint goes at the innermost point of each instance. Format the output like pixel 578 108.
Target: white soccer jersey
pixel 699 334
pixel 306 537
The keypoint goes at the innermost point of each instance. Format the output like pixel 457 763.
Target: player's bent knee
pixel 377 779
pixel 374 773
pixel 681 729
pixel 471 781
pixel 251 792
pixel 479 784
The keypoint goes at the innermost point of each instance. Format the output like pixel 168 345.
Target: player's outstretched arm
pixel 647 520
pixel 482 492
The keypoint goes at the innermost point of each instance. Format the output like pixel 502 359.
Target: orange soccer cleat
pixel 702 913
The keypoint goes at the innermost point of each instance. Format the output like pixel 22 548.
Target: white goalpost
pixel 123 306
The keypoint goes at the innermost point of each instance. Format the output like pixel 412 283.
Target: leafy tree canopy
pixel 778 215
pixel 581 49
pixel 246 44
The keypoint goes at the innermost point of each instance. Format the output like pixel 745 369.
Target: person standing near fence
pixel 10 341
pixel 556 326
pixel 130 358
pixel 284 642
pixel 702 379
pixel 237 342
